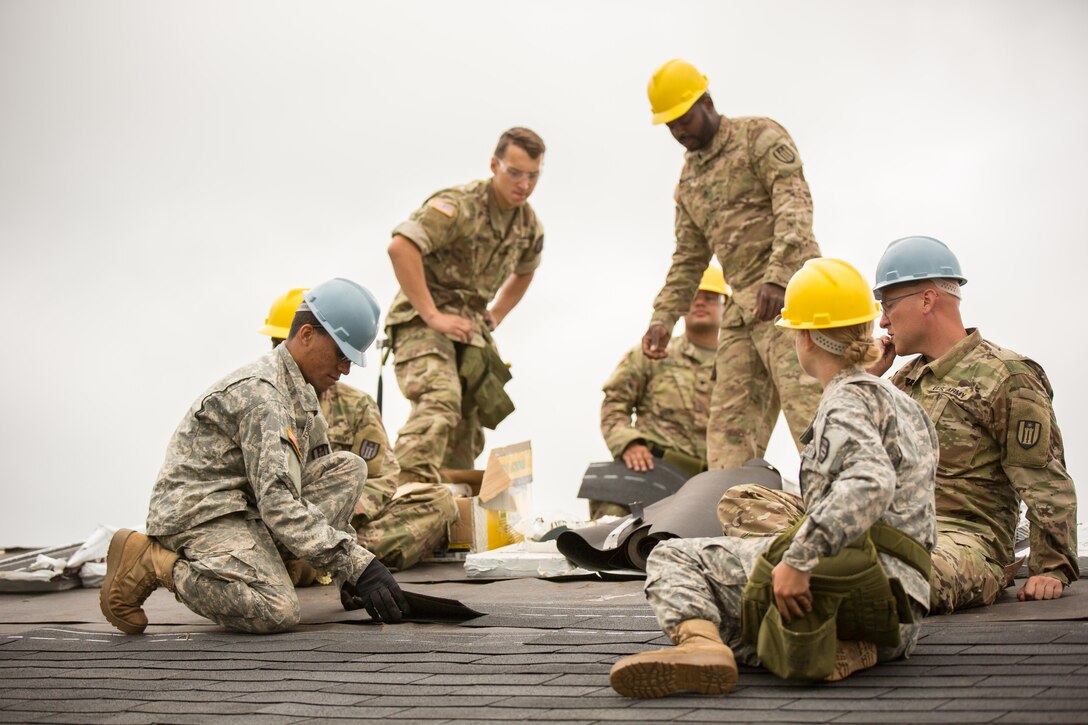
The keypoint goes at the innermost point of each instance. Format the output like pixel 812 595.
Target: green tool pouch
pixel 483 376
pixel 852 599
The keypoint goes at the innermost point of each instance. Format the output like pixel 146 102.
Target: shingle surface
pixel 534 661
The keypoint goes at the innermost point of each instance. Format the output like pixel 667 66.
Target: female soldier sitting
pixel 848 584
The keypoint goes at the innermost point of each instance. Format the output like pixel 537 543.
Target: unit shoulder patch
pixel 1028 438
pixel 368 449
pixel 784 154
pixel 443 207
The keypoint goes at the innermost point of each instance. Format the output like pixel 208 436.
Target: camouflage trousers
pixel 965 574
pixel 705 578
pixel 756 375
pixel 231 568
pixel 409 527
pixel 438 433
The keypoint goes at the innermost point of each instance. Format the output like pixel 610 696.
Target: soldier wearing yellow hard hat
pixel 743 197
pixel 851 574
pixel 398 529
pixel 668 399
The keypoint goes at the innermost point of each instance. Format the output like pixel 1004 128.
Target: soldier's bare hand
pixel 655 341
pixel 458 327
pixel 490 321
pixel 637 457
pixel 769 301
pixel 1040 587
pixel 887 357
pixel 792 595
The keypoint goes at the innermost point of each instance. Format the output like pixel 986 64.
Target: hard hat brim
pixel 906 279
pixel 671 114
pixel 274 331
pixel 810 325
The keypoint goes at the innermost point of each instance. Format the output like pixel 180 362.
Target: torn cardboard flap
pixel 501 498
pixel 507 477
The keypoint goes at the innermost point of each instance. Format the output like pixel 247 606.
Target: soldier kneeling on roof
pixel 249 478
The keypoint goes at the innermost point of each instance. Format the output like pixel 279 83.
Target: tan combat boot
pixel 135 566
pixel 301 573
pixel 850 657
pixel 700 663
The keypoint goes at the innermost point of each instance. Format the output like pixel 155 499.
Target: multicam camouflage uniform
pixel 744 198
pixel 469 247
pixel 1000 444
pixel 870 455
pixel 398 527
pixel 669 399
pixel 248 472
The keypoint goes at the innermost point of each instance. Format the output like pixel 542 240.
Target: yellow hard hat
pixel 278 322
pixel 673 89
pixel 827 293
pixel 714 281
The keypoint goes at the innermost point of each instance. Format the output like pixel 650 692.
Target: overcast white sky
pixel 167 169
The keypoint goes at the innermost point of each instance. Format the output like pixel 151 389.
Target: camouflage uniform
pixel 744 198
pixel 870 455
pixel 398 527
pixel 1000 444
pixel 247 473
pixel 669 399
pixel 469 247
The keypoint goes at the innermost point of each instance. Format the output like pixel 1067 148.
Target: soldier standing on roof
pixel 249 477
pixel 668 398
pixel 465 247
pixel 742 196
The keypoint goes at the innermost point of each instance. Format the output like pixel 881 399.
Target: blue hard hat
pixel 348 312
pixel 915 258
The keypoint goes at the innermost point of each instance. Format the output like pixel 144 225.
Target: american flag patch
pixel 443 207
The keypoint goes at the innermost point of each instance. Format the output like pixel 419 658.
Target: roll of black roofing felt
pixel 691 512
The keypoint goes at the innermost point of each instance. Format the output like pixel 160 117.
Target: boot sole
pixel 113 560
pixel 658 679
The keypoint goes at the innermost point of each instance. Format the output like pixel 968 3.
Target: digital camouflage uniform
pixel 1000 444
pixel 669 399
pixel 870 455
pixel 744 198
pixel 398 527
pixel 469 247
pixel 248 477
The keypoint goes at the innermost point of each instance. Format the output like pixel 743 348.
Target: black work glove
pixel 376 591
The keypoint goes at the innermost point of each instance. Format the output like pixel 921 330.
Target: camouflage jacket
pixel 999 444
pixel 241 449
pixel 355 425
pixel 744 198
pixel 469 249
pixel 870 455
pixel 669 398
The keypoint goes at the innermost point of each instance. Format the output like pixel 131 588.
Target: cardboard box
pixel 500 496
